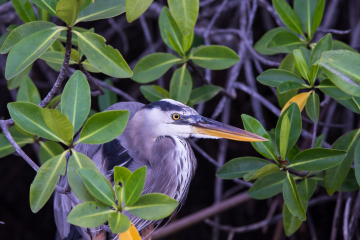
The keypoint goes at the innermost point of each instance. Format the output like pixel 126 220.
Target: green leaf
pixel 118 222
pixel 283 98
pixel 313 107
pixel 325 44
pixel 341 66
pixel 89 214
pixel 16 81
pixel 28 92
pixel 45 181
pixel 48 5
pixel 108 98
pixel 268 186
pixel 301 64
pixel 318 14
pixel 274 77
pixel 24 9
pixel 153 206
pixel 154 93
pixel 28 117
pixel 350 184
pixel 174 43
pixel 104 57
pixel 134 186
pixel 284 136
pixel 181 85
pixel 101 9
pixel 287 15
pixel 49 150
pixel 121 174
pixel 5 146
pixel 291 223
pixel 68 10
pixel 204 93
pixel 98 185
pixel 168 26
pixel 357 162
pixel 334 177
pixel 79 161
pixel 294 115
pixel 135 8
pixel 261 46
pixel 185 14
pixel 29 49
pixel 23 31
pixel 288 64
pixel 319 141
pixel 285 42
pixel 292 199
pixel 295 150
pixel 104 127
pixel 153 66
pixel 214 57
pixel 43 15
pixel 305 10
pixel 58 124
pixel 306 189
pixel 317 159
pixel 329 88
pixel 238 167
pixel 56 57
pixel 89 67
pixel 338 45
pixel 76 100
pixel 262 172
pixel 264 148
pixel 290 85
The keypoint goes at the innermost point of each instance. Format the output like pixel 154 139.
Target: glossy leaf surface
pixel 49 150
pixel 238 167
pixel 134 186
pixel 153 66
pixel 76 100
pixel 29 49
pixel 104 127
pixel 45 181
pixel 98 185
pixel 28 117
pixel 268 186
pixel 153 206
pixel 79 161
pixel 104 57
pixel 181 85
pixel 89 214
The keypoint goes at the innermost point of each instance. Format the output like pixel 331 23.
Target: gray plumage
pixel 155 137
pixel 170 163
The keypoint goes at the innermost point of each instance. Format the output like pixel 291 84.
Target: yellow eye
pixel 176 116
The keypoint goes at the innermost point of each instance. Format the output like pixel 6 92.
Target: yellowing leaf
pixel 131 234
pixel 299 99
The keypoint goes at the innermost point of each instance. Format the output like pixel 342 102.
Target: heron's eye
pixel 176 116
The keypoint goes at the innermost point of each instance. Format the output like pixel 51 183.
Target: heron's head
pixel 171 118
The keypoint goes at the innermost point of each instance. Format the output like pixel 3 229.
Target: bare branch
pixel 346 218
pixel 62 73
pixel 336 216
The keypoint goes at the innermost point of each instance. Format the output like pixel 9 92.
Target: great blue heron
pixel 155 137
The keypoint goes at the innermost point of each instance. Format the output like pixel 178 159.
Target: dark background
pixel 16 176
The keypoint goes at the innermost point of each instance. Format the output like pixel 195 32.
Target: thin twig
pixel 336 216
pixel 314 135
pixel 346 218
pixel 62 73
pixel 5 129
pixel 90 79
pixel 311 227
pixel 355 216
pixel 334 31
